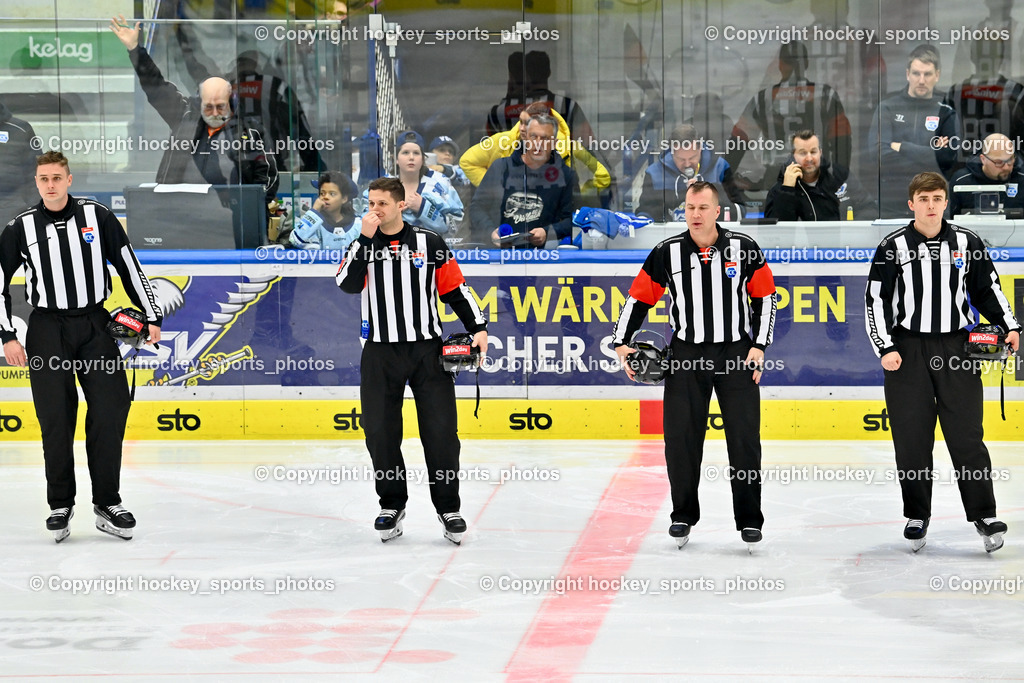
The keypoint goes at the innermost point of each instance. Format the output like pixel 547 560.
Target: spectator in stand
pixel 430 200
pixel 795 103
pixel 531 192
pixel 209 143
pixel 446 160
pixel 810 188
pixel 478 158
pixel 911 132
pixel 998 164
pixel 686 159
pixel 331 223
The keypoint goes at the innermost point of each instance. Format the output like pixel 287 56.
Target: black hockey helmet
pixel 650 362
pixel 986 342
pixel 458 353
pixel 129 326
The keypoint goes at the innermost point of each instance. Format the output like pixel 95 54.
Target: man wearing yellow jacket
pixel 478 158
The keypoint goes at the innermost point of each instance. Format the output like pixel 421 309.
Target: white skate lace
pixel 990 520
pixel 388 513
pixel 60 511
pixel 451 516
pixel 915 524
pixel 115 510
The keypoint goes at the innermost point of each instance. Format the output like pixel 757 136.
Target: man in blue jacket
pixel 687 158
pixel 531 191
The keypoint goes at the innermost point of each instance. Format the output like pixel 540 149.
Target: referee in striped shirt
pixel 64 245
pixel 400 271
pixel 924 279
pixel 723 314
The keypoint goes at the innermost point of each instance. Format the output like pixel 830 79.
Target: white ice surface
pixel 848 601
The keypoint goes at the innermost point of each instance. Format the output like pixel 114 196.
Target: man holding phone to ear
pixel 208 144
pixel 810 187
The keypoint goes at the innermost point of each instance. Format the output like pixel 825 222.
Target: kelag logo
pixel 344 422
pixel 529 420
pixel 872 423
pixel 9 423
pixel 178 421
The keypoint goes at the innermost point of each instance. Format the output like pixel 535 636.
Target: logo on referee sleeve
pixel 88 233
pixel 731 269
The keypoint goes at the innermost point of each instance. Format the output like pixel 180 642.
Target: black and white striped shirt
pixel 65 256
pixel 724 293
pixel 928 285
pixel 775 114
pixel 400 278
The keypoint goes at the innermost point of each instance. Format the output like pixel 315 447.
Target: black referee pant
pixel 384 370
pixel 699 368
pixel 936 379
pixel 63 345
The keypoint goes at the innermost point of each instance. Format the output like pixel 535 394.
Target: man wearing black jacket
pixel 925 282
pixel 17 164
pixel 208 143
pixel 809 187
pixel 533 190
pixel 401 271
pixel 913 131
pixel 998 165
pixel 66 283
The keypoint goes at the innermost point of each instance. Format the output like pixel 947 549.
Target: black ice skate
pixel 681 532
pixel 58 522
pixel 991 531
pixel 915 531
pixel 750 536
pixel 114 520
pixel 454 526
pixel 389 524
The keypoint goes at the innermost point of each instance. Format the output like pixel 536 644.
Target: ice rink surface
pixel 239 571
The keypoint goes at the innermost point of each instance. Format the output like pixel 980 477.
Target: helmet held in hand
pixel 129 326
pixel 986 342
pixel 650 362
pixel 458 353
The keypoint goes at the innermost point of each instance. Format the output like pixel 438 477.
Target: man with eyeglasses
pixel 527 198
pixel 998 164
pixel 208 144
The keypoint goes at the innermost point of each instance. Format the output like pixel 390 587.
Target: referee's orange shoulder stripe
pixel 762 283
pixel 646 290
pixel 448 276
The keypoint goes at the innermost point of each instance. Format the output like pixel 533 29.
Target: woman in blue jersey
pixel 431 201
